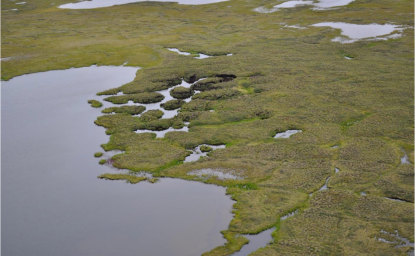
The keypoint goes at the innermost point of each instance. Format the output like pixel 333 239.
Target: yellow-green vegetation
pixel 129 178
pixel 132 110
pixel 181 92
pixel 278 78
pixel 204 148
pixel 95 103
pixel 98 154
pixel 151 115
pixel 144 98
pixel 102 161
pixel 172 104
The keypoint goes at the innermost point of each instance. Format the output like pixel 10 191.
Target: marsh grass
pixel 277 79
pixel 95 103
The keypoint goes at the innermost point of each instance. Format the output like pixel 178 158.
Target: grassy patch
pixel 95 103
pixel 128 178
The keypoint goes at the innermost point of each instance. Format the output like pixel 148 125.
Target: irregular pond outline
pixel 218 173
pixel 286 134
pixel 201 55
pixel 355 32
pixel 197 153
pixel 256 241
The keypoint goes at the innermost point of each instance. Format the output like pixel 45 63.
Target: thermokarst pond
pixel 355 32
pixel 52 198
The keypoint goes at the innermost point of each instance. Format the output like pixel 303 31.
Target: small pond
pixel 354 32
pixel 54 204
pixel 319 5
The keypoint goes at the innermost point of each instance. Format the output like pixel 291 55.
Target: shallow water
pixel 355 32
pixel 402 241
pixel 325 187
pixel 52 201
pixel 289 215
pixel 291 4
pixel 286 134
pixel 167 113
pixel 197 153
pixel 201 55
pixel 255 242
pixel 405 159
pixel 220 174
pixel 320 5
pixel 106 3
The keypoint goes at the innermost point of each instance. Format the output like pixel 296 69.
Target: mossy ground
pixel 282 78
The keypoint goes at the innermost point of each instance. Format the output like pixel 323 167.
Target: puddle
pixel 294 26
pixel 179 52
pixel 6 59
pixel 395 199
pixel 289 215
pixel 220 174
pixel 201 55
pixel 348 58
pixel 21 3
pixel 324 187
pixel 51 196
pixel 363 194
pixel 354 32
pixel 405 159
pixel 402 241
pixel 255 242
pixel 161 134
pixel 106 3
pixel 286 134
pixel 336 170
pixel 197 153
pixel 335 146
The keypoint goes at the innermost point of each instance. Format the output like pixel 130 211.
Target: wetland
pixel 264 132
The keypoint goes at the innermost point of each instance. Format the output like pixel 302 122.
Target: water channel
pixel 53 203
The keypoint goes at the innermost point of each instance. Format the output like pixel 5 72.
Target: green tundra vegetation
pixel 95 103
pixel 355 115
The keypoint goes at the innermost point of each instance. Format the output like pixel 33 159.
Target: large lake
pixel 52 201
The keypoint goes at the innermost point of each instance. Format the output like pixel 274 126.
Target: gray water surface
pixel 355 32
pixel 255 242
pixel 53 203
pixel 106 3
